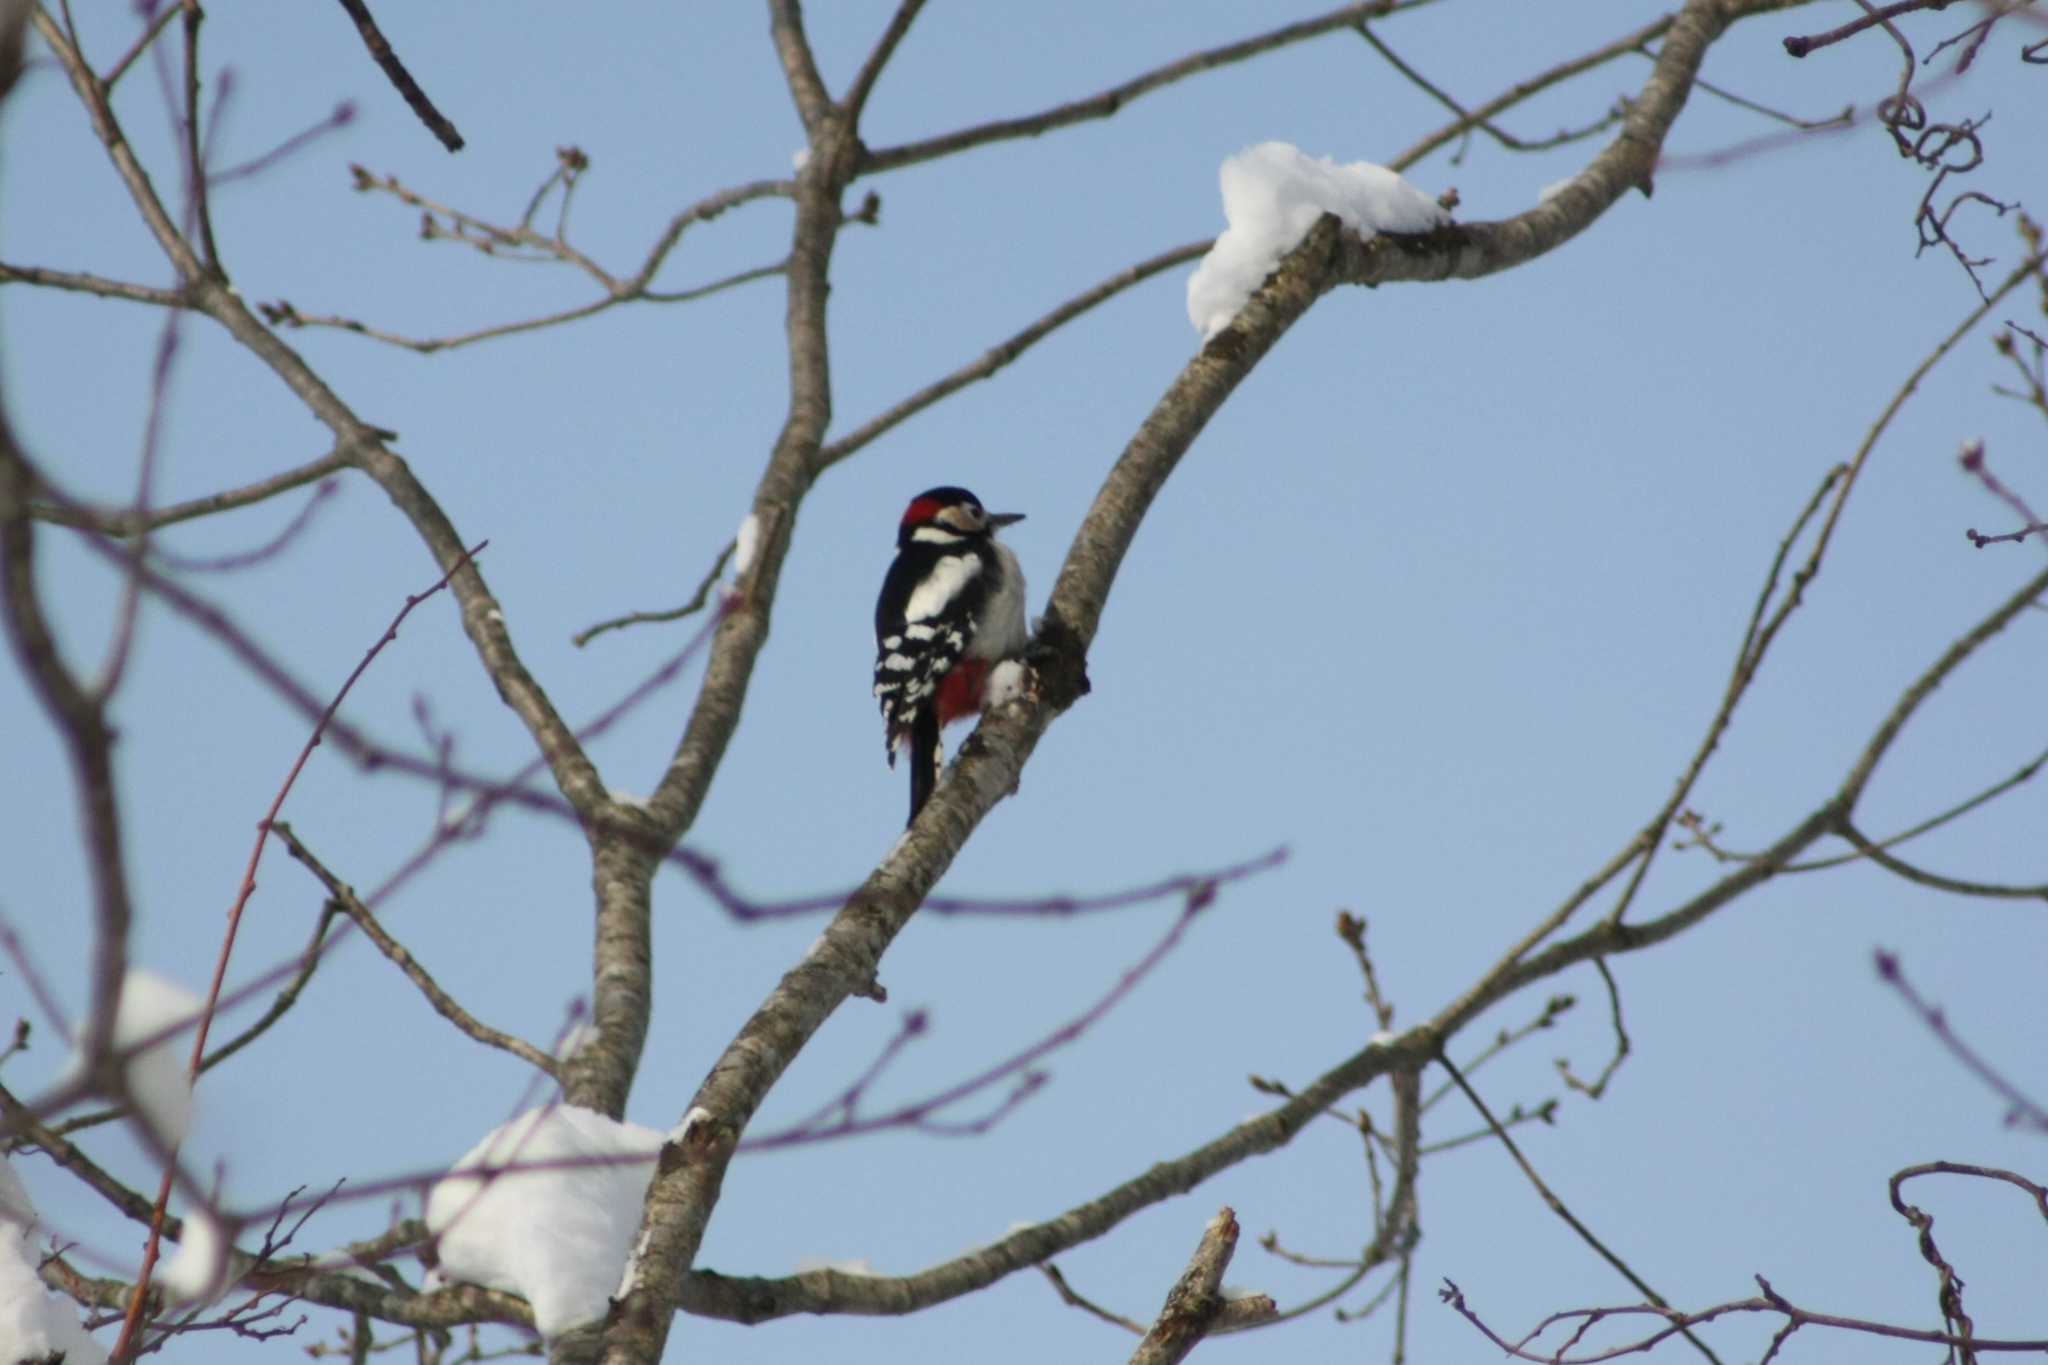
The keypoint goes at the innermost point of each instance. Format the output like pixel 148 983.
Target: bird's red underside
pixel 960 690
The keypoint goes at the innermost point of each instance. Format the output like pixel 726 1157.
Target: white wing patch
pixel 949 577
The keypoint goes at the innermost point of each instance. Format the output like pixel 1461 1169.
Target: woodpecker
pixel 951 607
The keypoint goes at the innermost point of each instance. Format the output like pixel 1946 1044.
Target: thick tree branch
pixel 846 958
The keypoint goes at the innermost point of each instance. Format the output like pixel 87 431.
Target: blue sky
pixel 1441 601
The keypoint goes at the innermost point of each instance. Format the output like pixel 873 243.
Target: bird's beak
pixel 1004 518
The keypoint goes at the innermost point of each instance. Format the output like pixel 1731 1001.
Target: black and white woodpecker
pixel 951 608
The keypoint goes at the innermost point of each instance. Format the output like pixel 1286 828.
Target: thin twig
pixel 1109 101
pixel 1675 1322
pixel 1074 1300
pixel 309 962
pixel 83 282
pixel 691 607
pixel 142 41
pixel 871 70
pixel 198 202
pixel 124 521
pixel 401 79
pixel 345 899
pixel 1468 121
pixel 1003 352
pixel 1702 835
pixel 1598 1085
pixel 1557 1206
pixel 2023 1109
pixel 1522 90
pixel 1921 877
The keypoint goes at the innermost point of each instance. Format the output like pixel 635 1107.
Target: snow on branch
pixel 1272 195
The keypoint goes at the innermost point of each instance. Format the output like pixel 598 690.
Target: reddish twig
pixel 2024 1111
pixel 1972 461
pixel 243 559
pixel 129 1327
pixel 343 115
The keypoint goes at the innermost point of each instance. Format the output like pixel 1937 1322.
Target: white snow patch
pixel 557 1229
pixel 1383 1036
pixel 744 544
pixel 1272 195
pixel 152 1007
pixel 199 1272
pixel 1005 684
pixel 800 158
pixel 629 1275
pixel 35 1324
pixel 1553 189
pixel 856 1265
pixel 626 798
pixel 460 817
pixel 698 1114
pixel 15 1205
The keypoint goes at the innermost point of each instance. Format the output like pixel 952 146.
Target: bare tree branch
pixel 1195 1300
pixel 83 282
pixel 1109 101
pixel 444 1004
pixel 871 70
pixel 128 521
pixel 401 79
pixel 1557 1206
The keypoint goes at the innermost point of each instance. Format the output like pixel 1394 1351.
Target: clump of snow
pixel 35 1324
pixel 1553 189
pixel 555 1230
pixel 744 543
pixel 15 1205
pixel 1005 684
pixel 1272 195
pixel 158 1077
pixel 698 1114
pixel 199 1272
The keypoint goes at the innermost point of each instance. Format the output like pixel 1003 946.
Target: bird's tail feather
pixel 924 758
